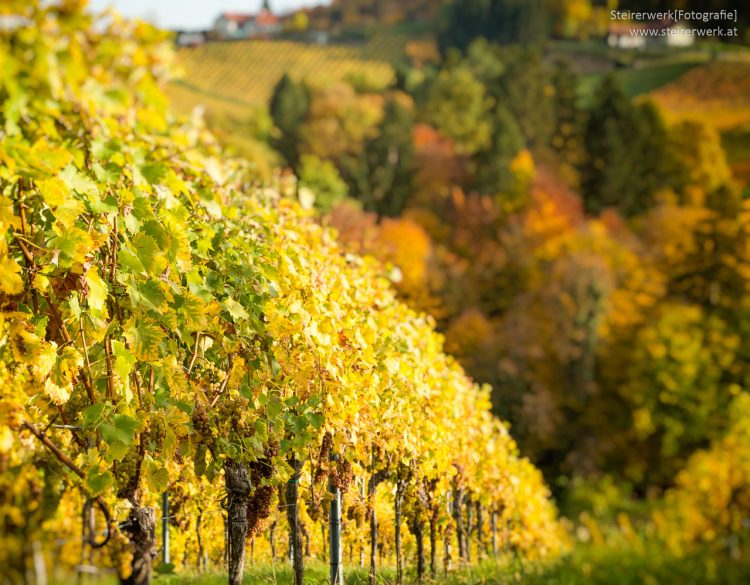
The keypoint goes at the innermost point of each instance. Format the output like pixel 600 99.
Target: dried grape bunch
pixel 342 475
pixel 321 471
pixel 259 502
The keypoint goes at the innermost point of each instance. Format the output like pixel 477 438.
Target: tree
pixel 678 388
pixel 701 163
pixel 710 501
pixel 382 176
pixel 525 90
pixel 323 179
pixel 459 107
pixel 289 105
pixel 626 158
pixel 567 135
pixel 494 174
pixel 502 21
pixel 339 122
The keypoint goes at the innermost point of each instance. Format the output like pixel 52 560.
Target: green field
pixel 635 82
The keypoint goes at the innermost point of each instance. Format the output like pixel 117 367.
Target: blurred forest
pixel 590 261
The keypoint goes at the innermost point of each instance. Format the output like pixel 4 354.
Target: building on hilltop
pixel 639 35
pixel 236 25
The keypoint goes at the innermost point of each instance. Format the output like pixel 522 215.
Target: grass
pixel 316 573
pixel 588 565
pixel 642 564
pixel 635 562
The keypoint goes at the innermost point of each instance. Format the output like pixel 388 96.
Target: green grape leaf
pixel 77 181
pixel 127 259
pixel 120 428
pixel 153 173
pixel 92 415
pixel 274 407
pixel 98 483
pixel 236 310
pixel 152 294
pixel 107 205
pixel 117 451
pixel 316 419
pixel 300 424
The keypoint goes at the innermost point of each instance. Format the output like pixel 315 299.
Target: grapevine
pixel 165 325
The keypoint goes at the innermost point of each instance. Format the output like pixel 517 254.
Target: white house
pixel 639 35
pixel 231 25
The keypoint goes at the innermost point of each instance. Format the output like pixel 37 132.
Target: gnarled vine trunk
pixel 140 528
pixel 416 527
pixel 292 516
pixel 201 560
pixel 272 540
pixel 494 533
pixel 372 486
pixel 373 546
pixel 479 529
pixel 398 505
pixel 469 528
pixel 459 521
pixel 238 486
pixel 433 545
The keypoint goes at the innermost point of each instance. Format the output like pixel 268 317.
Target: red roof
pixel 237 17
pixel 266 18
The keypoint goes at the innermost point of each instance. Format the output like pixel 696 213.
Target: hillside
pixel 719 91
pixel 243 73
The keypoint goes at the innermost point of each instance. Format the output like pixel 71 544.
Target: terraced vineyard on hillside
pixel 241 73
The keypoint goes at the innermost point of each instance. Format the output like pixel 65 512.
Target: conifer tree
pixel 289 105
pixel 626 157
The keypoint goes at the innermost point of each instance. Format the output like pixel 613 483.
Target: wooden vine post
pixel 165 528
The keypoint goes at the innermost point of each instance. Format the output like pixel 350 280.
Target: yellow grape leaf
pixel 58 394
pixel 7 216
pixel 54 191
pixel 45 361
pixel 98 292
pixel 10 281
